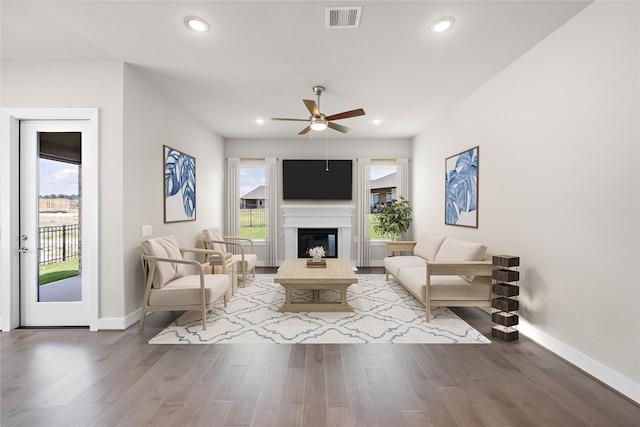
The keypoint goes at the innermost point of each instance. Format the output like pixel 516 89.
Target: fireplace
pixel 318 216
pixel 311 237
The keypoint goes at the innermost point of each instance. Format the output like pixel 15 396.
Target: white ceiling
pixel 261 58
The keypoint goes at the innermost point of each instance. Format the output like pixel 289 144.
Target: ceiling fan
pixel 318 121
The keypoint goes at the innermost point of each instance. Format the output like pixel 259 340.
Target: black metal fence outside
pixel 252 217
pixel 58 243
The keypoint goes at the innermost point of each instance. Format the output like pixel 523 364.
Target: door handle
pixel 23 250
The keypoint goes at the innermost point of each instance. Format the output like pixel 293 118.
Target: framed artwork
pixel 461 189
pixel 179 186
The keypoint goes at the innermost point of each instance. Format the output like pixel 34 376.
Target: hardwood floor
pixel 70 377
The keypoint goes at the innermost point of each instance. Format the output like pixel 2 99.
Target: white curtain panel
pixel 402 178
pixel 271 196
pixel 402 185
pixel 364 189
pixel 231 215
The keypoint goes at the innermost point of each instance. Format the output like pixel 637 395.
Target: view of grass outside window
pixel 252 209
pixel 252 223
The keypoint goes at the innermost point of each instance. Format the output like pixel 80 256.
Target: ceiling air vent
pixel 344 17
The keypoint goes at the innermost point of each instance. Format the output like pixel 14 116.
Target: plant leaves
pixel 394 217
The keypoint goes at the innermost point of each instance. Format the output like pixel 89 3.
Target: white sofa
pixel 442 271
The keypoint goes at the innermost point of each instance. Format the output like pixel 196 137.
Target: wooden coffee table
pixel 294 274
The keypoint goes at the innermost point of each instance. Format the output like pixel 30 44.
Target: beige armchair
pixel 245 261
pixel 168 287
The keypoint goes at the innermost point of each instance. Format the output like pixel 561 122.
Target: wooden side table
pixel 400 246
pixel 226 266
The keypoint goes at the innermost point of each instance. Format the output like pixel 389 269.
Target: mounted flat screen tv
pixel 310 180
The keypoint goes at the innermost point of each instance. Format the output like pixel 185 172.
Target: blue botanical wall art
pixel 461 189
pixel 179 186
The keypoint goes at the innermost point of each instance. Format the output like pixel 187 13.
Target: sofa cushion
pixel 395 263
pixel 428 245
pixel 164 247
pixel 460 250
pixel 415 280
pixel 186 290
pixel 214 234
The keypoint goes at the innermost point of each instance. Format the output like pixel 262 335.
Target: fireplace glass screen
pixel 311 237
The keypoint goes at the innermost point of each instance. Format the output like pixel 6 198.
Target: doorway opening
pixel 19 219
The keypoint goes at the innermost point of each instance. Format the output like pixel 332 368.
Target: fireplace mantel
pixel 317 216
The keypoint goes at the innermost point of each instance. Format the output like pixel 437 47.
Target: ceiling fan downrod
pixel 320 122
pixel 318 90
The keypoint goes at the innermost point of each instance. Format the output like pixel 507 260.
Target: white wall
pixel 135 121
pixel 558 132
pixel 315 148
pixel 84 84
pixel 151 120
pixel 304 147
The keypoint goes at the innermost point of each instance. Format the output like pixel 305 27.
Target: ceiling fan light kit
pixel 319 121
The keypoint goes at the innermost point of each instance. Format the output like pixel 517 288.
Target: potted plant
pixel 393 218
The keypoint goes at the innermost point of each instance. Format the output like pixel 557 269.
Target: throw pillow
pixel 164 247
pixel 460 250
pixel 214 234
pixel 428 245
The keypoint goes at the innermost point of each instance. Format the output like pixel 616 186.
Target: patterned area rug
pixel 384 313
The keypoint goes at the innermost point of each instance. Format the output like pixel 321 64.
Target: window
pixel 252 214
pixel 382 184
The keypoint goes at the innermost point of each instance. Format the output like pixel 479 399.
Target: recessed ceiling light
pixel 442 24
pixel 376 121
pixel 260 121
pixel 196 23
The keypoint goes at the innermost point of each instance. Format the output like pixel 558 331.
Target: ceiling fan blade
pixel 347 114
pixel 305 130
pixel 290 120
pixel 338 127
pixel 312 107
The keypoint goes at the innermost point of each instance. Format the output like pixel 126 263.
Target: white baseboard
pixel 594 368
pixel 119 323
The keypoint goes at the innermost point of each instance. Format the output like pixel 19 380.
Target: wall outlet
pixel 145 230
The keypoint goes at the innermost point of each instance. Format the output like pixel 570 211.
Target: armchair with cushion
pixel 168 287
pixel 245 261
